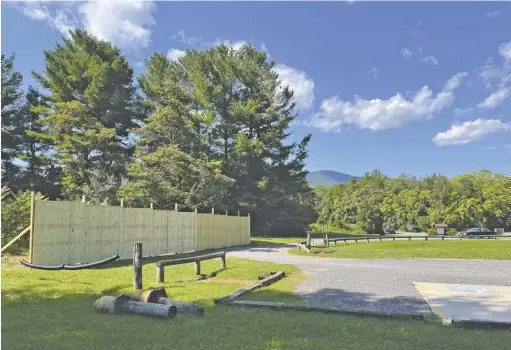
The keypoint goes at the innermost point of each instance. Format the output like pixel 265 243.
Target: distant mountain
pixel 328 178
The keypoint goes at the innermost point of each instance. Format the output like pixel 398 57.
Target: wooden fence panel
pixel 73 232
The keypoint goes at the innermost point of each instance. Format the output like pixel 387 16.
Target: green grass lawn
pixel 466 249
pixel 261 241
pixel 54 310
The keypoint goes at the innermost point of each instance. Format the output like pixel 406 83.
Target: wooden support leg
pixel 409 238
pixel 197 267
pixel 137 265
pixel 223 261
pixel 160 275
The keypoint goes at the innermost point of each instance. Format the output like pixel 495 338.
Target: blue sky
pixel 408 87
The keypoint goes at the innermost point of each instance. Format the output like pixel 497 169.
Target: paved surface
pixel 380 285
pixel 468 302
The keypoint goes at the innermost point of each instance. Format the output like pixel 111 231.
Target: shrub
pixel 16 216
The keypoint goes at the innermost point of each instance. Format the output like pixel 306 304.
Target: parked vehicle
pixel 476 231
pixel 389 230
pixel 412 228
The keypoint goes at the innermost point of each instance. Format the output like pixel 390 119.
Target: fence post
pixel 32 225
pixel 238 213
pixel 175 206
pixel 326 240
pixel 151 206
pixel 308 240
pixel 226 213
pixel 213 211
pixel 122 202
pixel 84 199
pixel 137 265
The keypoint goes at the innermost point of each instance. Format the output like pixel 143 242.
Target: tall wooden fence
pixel 73 232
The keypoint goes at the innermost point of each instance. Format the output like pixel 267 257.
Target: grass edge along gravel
pixel 462 249
pixel 53 310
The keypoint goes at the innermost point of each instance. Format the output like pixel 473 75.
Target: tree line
pixel 207 130
pixel 478 199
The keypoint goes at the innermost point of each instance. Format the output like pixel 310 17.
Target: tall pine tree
pixel 11 128
pixel 229 109
pixel 93 106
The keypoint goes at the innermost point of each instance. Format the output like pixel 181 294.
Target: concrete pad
pixel 472 303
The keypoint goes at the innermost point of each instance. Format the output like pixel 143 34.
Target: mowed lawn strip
pixel 54 310
pixel 462 249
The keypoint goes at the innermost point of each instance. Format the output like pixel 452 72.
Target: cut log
pixel 123 304
pixel 111 305
pixel 187 308
pixel 159 295
pixel 263 283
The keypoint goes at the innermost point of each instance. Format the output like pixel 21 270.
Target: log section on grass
pixel 159 296
pixel 123 304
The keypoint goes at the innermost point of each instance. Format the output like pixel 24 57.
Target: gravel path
pixel 378 285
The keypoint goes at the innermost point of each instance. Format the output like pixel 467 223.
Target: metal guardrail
pixel 393 238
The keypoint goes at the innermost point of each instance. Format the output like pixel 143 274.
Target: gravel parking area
pixel 378 285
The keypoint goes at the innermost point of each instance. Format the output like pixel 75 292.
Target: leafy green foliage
pixel 16 215
pixel 476 199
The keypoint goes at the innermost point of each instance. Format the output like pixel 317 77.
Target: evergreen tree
pixel 39 173
pixel 11 128
pixel 93 107
pixel 227 108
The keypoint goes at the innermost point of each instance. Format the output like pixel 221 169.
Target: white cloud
pixel 495 98
pixel 35 11
pixel 505 50
pixel 175 54
pixel 460 134
pixel 188 40
pixel 491 15
pixel 491 148
pixel 431 60
pixel 124 23
pixel 407 53
pixel 377 114
pixel 460 112
pixel 60 18
pixel 374 73
pixel 236 45
pixel 299 82
pixel 507 146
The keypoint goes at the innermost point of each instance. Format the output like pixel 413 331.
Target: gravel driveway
pixel 378 285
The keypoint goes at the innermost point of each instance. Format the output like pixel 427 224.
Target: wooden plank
pixel 262 283
pixel 15 238
pixel 32 226
pixel 294 307
pixel 191 259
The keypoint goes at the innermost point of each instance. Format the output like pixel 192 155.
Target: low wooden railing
pixel 160 265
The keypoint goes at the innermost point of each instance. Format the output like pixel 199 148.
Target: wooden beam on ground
pixel 262 283
pixel 281 306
